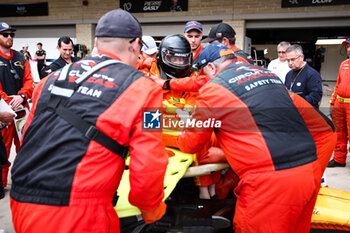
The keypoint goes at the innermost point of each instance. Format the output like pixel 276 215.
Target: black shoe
pixel 2 193
pixel 334 163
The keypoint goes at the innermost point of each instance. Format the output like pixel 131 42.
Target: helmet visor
pixel 177 59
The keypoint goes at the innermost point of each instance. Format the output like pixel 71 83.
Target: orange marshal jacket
pixel 342 88
pixel 79 169
pixel 190 84
pixel 250 120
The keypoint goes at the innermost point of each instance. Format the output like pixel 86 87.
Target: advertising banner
pixel 137 6
pixel 302 3
pixel 21 9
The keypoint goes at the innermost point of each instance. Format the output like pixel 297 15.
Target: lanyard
pixel 293 81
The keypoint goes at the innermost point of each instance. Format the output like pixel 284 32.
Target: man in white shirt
pixel 279 65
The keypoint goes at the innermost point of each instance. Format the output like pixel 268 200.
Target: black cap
pixel 118 23
pixel 4 26
pixel 219 31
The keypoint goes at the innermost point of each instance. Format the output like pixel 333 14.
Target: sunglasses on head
pixel 140 42
pixel 6 34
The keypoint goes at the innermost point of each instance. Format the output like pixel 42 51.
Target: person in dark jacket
pixel 65 47
pixel 40 56
pixel 303 79
pixel 25 52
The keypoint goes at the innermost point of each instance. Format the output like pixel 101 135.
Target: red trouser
pixel 341 121
pixel 277 201
pixel 226 183
pixel 209 154
pixel 212 155
pixel 207 180
pixel 89 215
pixel 10 135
